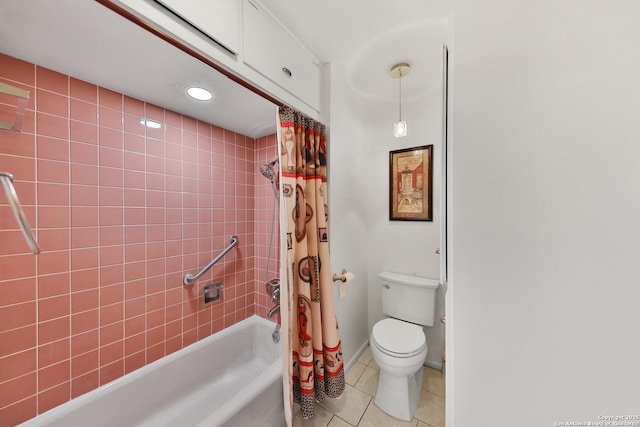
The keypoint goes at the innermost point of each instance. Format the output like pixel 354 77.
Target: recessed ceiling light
pixel 199 93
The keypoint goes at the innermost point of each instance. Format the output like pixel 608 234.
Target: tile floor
pixel 356 407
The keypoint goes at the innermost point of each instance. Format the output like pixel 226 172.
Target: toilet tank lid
pixel 408 279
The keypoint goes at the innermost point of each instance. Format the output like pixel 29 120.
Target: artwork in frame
pixel 411 184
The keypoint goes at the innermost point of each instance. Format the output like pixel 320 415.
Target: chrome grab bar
pixel 190 278
pixel 6 180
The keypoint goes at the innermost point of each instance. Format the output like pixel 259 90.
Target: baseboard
pixel 430 363
pixel 355 358
pixel 435 365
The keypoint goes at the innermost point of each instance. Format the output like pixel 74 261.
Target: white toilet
pixel 398 343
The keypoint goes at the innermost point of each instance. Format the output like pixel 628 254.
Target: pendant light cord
pixel 400 96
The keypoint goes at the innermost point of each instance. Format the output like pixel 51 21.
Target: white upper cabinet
pixel 218 19
pixel 273 52
pixel 245 39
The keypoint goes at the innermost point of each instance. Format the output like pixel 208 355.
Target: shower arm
pixel 6 180
pixel 190 278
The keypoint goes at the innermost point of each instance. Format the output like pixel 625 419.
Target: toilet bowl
pixel 398 343
pixel 400 349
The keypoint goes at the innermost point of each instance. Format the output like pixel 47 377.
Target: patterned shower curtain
pixel 313 359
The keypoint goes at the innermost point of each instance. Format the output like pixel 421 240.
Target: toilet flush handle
pixel 386 286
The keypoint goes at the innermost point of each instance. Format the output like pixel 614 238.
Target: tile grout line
pixel 365 410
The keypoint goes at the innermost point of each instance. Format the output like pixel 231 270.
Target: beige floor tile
pixel 431 409
pixel 373 364
pixel 368 381
pixel 321 418
pixel 428 371
pixel 350 406
pixel 354 373
pixel 356 406
pixel 376 417
pixel 338 422
pixel 433 381
pixel 366 356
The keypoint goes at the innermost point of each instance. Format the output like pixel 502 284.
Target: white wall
pixel 363 239
pixel 347 207
pixel 546 212
pixel 403 246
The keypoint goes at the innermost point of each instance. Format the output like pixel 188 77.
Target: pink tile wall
pixel 121 212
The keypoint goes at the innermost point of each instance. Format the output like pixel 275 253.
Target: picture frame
pixel 411 184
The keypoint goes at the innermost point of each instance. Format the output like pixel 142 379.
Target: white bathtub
pixel 232 378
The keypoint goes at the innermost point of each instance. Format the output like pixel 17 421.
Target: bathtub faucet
pixel 273 310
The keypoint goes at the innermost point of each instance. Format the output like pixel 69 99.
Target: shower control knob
pixel 272 285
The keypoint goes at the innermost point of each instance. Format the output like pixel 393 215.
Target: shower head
pixel 268 172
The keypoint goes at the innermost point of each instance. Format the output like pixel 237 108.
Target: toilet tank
pixel 409 297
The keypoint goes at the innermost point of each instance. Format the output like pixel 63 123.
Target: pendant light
pixel 398 71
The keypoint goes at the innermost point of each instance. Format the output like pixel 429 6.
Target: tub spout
pixel 273 310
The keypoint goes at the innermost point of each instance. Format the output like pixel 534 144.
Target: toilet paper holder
pixel 340 277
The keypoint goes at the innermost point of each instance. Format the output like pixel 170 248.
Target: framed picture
pixel 411 184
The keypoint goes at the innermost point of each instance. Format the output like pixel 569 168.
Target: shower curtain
pixel 313 357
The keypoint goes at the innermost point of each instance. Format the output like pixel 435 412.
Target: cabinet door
pixel 218 19
pixel 274 53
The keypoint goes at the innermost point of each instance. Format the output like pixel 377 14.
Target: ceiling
pixel 370 37
pixel 88 41
pixel 340 29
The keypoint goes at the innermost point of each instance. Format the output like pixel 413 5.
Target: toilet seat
pixel 397 338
